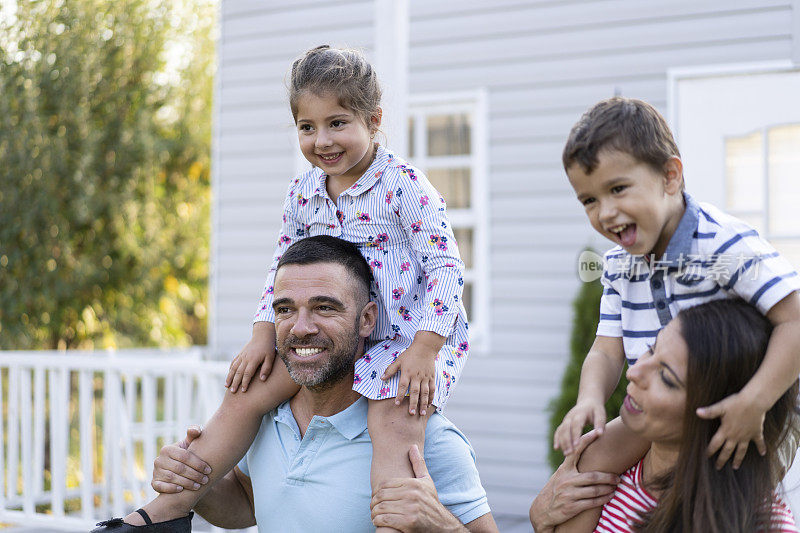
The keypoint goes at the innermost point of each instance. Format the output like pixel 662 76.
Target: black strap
pixel 145 516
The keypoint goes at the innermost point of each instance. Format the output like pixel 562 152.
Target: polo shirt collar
pixel 680 245
pixel 367 179
pixel 350 423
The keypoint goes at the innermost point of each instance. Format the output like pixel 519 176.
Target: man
pixel 309 466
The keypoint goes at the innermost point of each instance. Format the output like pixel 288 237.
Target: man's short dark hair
pixel 626 125
pixel 328 249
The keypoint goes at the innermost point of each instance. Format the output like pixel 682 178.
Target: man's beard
pixel 320 376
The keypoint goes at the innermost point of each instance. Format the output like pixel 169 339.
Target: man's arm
pixel 412 505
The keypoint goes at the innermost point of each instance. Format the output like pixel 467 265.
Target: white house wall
pixel 543 63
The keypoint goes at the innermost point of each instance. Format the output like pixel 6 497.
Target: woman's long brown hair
pixel 727 340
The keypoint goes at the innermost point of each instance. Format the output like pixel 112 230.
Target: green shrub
pixel 105 134
pixel 586 309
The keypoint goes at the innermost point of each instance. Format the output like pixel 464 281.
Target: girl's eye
pixel 618 189
pixel 587 201
pixel 304 127
pixel 337 123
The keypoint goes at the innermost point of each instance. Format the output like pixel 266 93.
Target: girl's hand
pixel 417 372
pixel 257 355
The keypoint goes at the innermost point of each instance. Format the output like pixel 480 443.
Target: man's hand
pixel 569 492
pixel 741 421
pixel 412 505
pixel 176 468
pixel 585 412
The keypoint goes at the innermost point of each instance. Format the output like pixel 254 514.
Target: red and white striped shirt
pixel 631 501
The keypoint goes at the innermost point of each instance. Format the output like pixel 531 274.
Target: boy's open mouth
pixel 626 233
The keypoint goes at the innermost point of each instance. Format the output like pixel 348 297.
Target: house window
pixel 761 169
pixel 447 140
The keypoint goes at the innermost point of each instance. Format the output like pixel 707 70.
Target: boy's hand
pixel 257 356
pixel 741 421
pixel 417 375
pixel 567 435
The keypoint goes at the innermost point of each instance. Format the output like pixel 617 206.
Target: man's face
pixel 320 322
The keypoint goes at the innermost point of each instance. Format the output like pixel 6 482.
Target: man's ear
pixel 673 175
pixel 368 319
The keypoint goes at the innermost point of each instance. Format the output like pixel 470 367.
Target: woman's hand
pixel 569 492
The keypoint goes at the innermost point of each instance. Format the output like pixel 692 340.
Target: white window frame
pixel 476 217
pixel 764 212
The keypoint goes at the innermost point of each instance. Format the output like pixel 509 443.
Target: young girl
pixel 361 192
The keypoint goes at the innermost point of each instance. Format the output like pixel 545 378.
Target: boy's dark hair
pixel 328 249
pixel 627 125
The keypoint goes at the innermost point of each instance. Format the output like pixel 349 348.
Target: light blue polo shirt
pixel 322 481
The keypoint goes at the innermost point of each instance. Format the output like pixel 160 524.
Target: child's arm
pixel 599 376
pixel 743 413
pixel 260 350
pixel 423 215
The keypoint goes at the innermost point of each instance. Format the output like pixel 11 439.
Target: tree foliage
pixel 586 315
pixel 105 127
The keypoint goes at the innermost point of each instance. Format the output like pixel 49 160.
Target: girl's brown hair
pixel 727 340
pixel 339 71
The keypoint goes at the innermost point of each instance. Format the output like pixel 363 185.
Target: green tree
pixel 105 121
pixel 586 315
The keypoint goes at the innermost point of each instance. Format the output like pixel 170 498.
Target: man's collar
pixel 680 245
pixel 351 422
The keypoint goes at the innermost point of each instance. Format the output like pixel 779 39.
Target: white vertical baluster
pixel 107 444
pixel 169 422
pixel 2 439
pixel 183 403
pixel 128 433
pixel 26 420
pixel 113 412
pixel 86 410
pixel 59 426
pixel 38 431
pixel 13 431
pixel 149 392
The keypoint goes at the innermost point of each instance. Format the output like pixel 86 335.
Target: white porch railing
pixel 81 429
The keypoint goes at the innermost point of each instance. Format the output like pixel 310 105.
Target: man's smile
pixel 307 352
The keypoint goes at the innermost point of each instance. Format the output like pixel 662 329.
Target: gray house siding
pixel 543 63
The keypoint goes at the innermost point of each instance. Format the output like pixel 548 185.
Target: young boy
pixel 672 253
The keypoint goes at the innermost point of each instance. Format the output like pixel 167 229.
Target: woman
pixel 706 353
